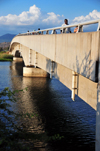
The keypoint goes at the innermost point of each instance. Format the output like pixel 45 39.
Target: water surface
pixel 51 100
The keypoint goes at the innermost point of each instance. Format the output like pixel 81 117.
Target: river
pixel 51 100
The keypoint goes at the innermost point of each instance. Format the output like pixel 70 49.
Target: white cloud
pixel 52 17
pixel 32 17
pixel 91 16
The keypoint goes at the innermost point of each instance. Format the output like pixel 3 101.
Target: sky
pixel 19 16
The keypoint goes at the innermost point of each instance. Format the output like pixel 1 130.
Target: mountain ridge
pixel 7 37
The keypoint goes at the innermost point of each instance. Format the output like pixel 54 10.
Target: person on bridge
pixel 28 32
pixel 76 29
pixel 39 31
pixel 33 32
pixel 67 30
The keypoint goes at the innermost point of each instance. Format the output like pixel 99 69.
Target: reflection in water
pixel 58 114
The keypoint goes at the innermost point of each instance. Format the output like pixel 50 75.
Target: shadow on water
pixel 73 120
pixel 59 114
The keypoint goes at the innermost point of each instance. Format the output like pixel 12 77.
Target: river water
pixel 51 100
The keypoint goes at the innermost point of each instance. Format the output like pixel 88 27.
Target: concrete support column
pixel 52 69
pixel 36 59
pixel 34 72
pixel 74 84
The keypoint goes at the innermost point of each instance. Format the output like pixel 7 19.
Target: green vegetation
pixel 4 56
pixel 1 48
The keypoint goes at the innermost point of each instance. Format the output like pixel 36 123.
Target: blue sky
pixel 18 16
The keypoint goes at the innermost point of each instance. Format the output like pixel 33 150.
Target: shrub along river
pixel 71 123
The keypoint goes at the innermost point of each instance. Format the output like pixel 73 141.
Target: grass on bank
pixel 5 56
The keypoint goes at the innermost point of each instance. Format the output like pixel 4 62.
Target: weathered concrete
pixel 17 59
pixel 34 72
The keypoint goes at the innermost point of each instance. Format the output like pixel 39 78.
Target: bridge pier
pixel 17 56
pixel 34 72
pixel 18 59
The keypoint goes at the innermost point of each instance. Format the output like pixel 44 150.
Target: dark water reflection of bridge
pixel 58 113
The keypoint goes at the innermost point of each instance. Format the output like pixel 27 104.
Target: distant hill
pixel 6 38
pixel 4 45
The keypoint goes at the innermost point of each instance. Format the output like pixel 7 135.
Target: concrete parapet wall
pixel 76 51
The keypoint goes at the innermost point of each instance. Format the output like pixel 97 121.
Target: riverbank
pixel 5 56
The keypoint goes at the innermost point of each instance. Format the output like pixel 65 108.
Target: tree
pixel 1 48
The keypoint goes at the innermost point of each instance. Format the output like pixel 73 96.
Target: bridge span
pixel 72 58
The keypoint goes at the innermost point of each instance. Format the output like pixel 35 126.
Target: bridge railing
pixel 64 28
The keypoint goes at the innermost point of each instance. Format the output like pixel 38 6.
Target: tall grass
pixel 4 56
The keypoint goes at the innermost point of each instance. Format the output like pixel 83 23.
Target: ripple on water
pixel 51 100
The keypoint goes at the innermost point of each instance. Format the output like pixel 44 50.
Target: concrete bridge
pixel 72 58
